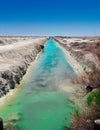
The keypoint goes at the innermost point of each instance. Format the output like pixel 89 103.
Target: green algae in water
pixel 46 111
pixel 40 104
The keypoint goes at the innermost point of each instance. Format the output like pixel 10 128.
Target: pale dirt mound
pixel 15 58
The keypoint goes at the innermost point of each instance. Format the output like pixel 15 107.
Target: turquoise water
pixel 41 103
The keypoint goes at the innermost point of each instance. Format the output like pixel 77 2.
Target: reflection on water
pixel 41 105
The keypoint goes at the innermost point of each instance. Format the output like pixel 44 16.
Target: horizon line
pixel 49 36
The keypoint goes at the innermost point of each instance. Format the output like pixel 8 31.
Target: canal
pixel 43 103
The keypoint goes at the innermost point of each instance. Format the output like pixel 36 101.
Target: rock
pixel 87 69
pixel 42 47
pixel 89 88
pixel 97 124
pixel 1 124
pixel 17 79
pixel 12 84
pixel 89 121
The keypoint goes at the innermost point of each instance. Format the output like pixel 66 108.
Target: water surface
pixel 42 104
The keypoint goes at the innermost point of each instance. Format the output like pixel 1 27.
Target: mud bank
pixel 15 59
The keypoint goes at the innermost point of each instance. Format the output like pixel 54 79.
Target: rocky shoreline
pixel 14 62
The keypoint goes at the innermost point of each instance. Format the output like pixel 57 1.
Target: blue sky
pixel 50 17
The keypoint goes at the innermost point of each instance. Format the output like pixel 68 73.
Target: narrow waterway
pixel 42 103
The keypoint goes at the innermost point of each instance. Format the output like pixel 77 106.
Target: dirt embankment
pixel 86 51
pixel 15 57
pixel 77 49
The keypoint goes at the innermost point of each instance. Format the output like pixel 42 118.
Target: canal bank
pixel 71 58
pixel 15 59
pixel 42 102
